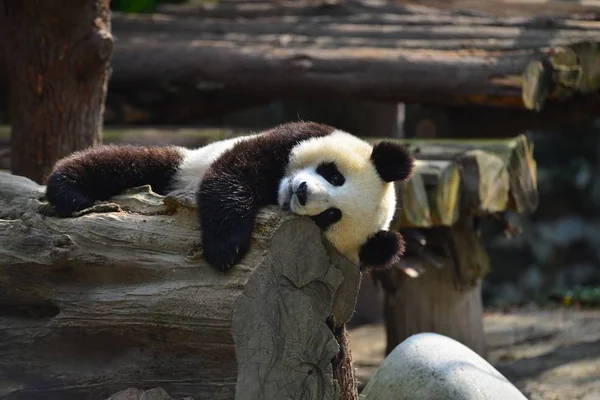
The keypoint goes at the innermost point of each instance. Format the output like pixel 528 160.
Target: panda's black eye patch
pixel 327 218
pixel 331 173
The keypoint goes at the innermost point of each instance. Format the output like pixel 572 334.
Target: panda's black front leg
pixel 227 211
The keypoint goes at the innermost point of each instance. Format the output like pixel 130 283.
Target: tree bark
pixel 445 299
pixel 57 59
pixel 111 300
pixel 347 54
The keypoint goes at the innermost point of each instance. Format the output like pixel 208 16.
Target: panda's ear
pixel 382 250
pixel 393 161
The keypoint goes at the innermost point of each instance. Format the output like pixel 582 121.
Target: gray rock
pixel 137 394
pixel 428 366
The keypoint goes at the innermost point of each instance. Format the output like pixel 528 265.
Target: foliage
pixel 583 296
pixel 139 6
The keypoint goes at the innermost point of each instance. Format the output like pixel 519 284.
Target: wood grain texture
pixel 445 299
pixel 120 297
pixel 466 177
pixel 363 50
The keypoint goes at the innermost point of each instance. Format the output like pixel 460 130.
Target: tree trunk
pixel 445 299
pixel 111 300
pixel 57 58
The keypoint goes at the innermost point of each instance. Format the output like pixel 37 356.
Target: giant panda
pixel 343 183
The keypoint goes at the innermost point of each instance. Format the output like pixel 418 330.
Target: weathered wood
pixel 444 300
pixel 431 197
pixel 442 180
pixel 350 50
pixel 466 177
pixel 115 299
pixel 425 121
pixel 512 8
pixel 486 175
pixel 516 155
pixel 566 70
pixel 413 204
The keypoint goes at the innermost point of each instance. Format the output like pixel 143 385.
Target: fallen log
pixel 348 50
pixel 120 297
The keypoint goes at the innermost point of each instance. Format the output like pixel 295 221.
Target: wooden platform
pixel 445 52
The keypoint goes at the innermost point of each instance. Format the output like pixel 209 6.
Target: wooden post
pixel 445 299
pixel 111 300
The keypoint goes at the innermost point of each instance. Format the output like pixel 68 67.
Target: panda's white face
pixel 333 180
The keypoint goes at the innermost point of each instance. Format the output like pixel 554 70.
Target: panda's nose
pixel 301 193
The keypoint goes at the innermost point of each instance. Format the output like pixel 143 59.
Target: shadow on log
pixel 120 297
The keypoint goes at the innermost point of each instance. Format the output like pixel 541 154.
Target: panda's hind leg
pixel 98 173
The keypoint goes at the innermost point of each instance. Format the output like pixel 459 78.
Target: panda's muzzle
pixel 302 193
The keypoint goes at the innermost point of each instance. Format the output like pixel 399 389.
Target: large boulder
pixel 428 366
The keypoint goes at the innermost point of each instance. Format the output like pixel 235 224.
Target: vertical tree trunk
pixel 445 300
pixel 57 58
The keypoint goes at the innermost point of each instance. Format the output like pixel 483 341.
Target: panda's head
pixel 346 186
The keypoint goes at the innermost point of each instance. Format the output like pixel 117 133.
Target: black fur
pixel 302 193
pixel 99 173
pixel 382 250
pixel 244 179
pixel 393 161
pixel 327 218
pixel 331 173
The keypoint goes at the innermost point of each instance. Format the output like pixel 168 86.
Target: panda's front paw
pixel 223 252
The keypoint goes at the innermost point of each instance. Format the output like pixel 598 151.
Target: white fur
pixel 367 202
pixel 197 161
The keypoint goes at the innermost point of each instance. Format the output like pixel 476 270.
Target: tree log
pixel 442 180
pixel 463 177
pixel 57 55
pixel 392 12
pixel 445 300
pixel 120 297
pixel 515 154
pixel 349 50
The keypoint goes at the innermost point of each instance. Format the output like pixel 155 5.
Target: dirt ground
pixel 548 355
